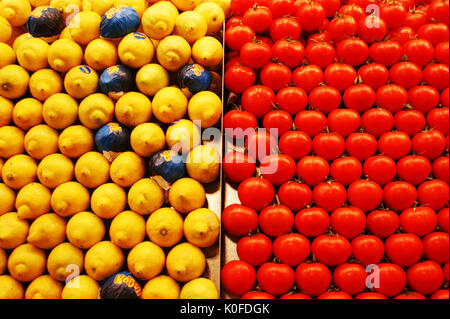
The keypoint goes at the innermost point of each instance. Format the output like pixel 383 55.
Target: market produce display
pixel 342 190
pixel 103 172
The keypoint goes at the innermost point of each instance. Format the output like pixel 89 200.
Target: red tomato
pixel 233 22
pixel 276 220
pixel 313 278
pixel 426 277
pixel 386 53
pixel 331 6
pixel 437 76
pixel 377 121
pixel 366 195
pixel 260 144
pixel 331 250
pixel 438 11
pixel 257 295
pixel 374 75
pixel 294 195
pixel 266 40
pixel 278 122
pixel 411 122
pixel 380 169
pixel 368 249
pixel 312 222
pixel 238 166
pixel 238 277
pixel 440 168
pixel 239 78
pixel 258 100
pixel 329 196
pixel 402 34
pixel 239 220
pixel 311 15
pixel 392 280
pixel 233 61
pixel 292 100
pixel 361 145
pixel 438 119
pixel 276 279
pixel 311 122
pixel 350 278
pixel 441 294
pixel 255 55
pixel 276 76
pixel 290 53
pixel 434 193
pixel 348 221
pixel 420 221
pixel 281 8
pixel 370 295
pixel 340 76
pixel 406 74
pixel 256 193
pixel 441 52
pixel 323 36
pixel 255 250
pixel 360 97
pixel 240 6
pixel 278 168
pixel 383 223
pixel 320 54
pixel 423 98
pixel 411 295
pixel 394 144
pixel 307 77
pixel 415 19
pixel 297 296
pixel 392 97
pixel 443 219
pixel 430 144
pixel 436 247
pixel 394 14
pixel 296 144
pixel 236 123
pixel 325 99
pixel 400 195
pixel 372 28
pixel 334 295
pixel 353 10
pixel 291 249
pixel 445 98
pixel 353 51
pixel 446 271
pixel 346 170
pixel 344 121
pixel 313 170
pixel 343 27
pixel 258 18
pixel 285 28
pixel 237 36
pixel 329 146
pixel 434 32
pixel 414 169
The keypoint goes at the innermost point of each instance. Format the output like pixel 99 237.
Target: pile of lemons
pixel 69 216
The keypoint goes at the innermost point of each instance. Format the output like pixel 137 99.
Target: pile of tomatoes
pixel 354 94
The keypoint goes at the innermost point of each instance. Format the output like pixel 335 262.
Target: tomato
pixel 372 28
pixel 380 169
pixel 322 36
pixel 441 52
pixel 406 74
pixel 325 99
pixel 313 278
pixel 255 55
pixel 334 295
pixel 281 8
pixel 233 61
pixel 392 279
pixel 437 76
pixel 438 119
pixel 311 15
pixel 331 250
pixel 278 168
pixel 292 100
pixel 430 144
pixel 438 11
pixel 353 51
pixel 410 122
pixel 296 144
pixel 239 78
pixel 233 22
pixel 237 122
pixel 311 122
pixel 395 144
pixel 256 193
pixel 276 220
pixel 297 296
pixel 360 97
pixel 440 168
pixel 436 247
pixel 394 14
pixel 285 28
pixel 240 6
pixel 343 27
pixel 423 98
pixel 353 10
pixel 331 6
pixel 313 170
pixel 370 295
pixel 260 144
pixel 239 220
pixel 294 195
pixel 237 36
pixel 402 34
pixel 414 169
pixel 266 40
pixel 415 19
pixel 257 295
pixel 383 223
pixel 404 249
pixel 377 121
pixel 344 121
pixel 255 250
pixel 288 52
pixel 276 279
pixel 350 278
pixel 445 98
pixel 374 75
pixel 446 271
pixel 258 18
pixel 238 277
pixel 307 77
pixel 410 295
pixel 340 76
pixel 400 195
pixel 329 146
pixel 434 32
pixel 425 277
pixel 238 166
pixel 368 249
pixel 276 76
pixel 440 294
pixel 291 249
pixel 361 145
pixel 386 53
pixel 329 196
pixel 346 170
pixel 258 100
pixel 312 222
pixel 434 193
pixel 420 221
pixel 392 97
pixel 348 222
pixel 443 219
pixel 278 122
pixel 366 195
pixel 320 54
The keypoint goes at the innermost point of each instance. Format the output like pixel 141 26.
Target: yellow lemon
pixel 165 227
pixel 13 231
pixel 44 287
pixel 27 113
pixel 127 229
pixel 13 81
pixel 151 78
pixel 224 4
pixel 169 105
pixel 8 197
pixel 64 54
pixel 32 54
pixel 5 30
pixel 15 11
pixel 85 27
pixel 62 259
pixel 19 40
pixel 203 164
pixel 11 141
pixel 185 262
pixel 70 198
pixel 98 6
pixel 47 231
pixel 55 170
pixel 136 50
pixel 39 3
pixel 41 141
pixel 3 261
pixel 186 5
pixel 6 111
pixel 187 195
pixel 67 7
pixel 7 55
pixel 213 14
pixel 16 33
pixel 1 166
pixel 200 288
pixel 205 107
pixel 147 139
pixel 10 288
pixel 145 196
pixel 173 52
pixel 60 111
pixel 208 51
pixel 133 108
pixel 65 34
pixel 103 260
pixel 33 201
pixel 146 260
pixel 19 171
pixel 81 287
pixel 161 287
pixel 45 83
pixel 101 54
pixel 127 169
pixel 84 230
pixel 158 21
pixel 108 200
pixel 183 136
pixel 26 263
pixel 96 110
pixel 76 141
pixel 139 5
pixel 191 26
pixel 92 170
pixel 202 227
pixel 81 81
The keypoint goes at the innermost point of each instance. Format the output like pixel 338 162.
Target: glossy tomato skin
pixel 278 168
pixel 360 97
pixel 255 55
pixel 281 8
pixel 443 219
pixel 233 22
pixel 329 196
pixel 438 11
pixel 258 100
pixel 383 223
pixel 365 195
pixel 370 34
pixel 374 75
pixel 392 97
pixel 238 166
pixel 434 193
pixel 331 250
pixel 238 277
pixel 239 78
pixel 410 295
pixel 437 76
pixel 291 249
pixel 258 19
pixel 278 122
pixel 410 121
pixel 434 32
pixel 294 195
pixel 313 278
pixel 239 220
pixel 343 27
pixel 370 295
pixel 335 295
pixel 276 76
pixel 436 247
pixel 329 146
pixel 296 144
pixel 255 250
pixel 414 169
pixel 404 249
pixel 361 145
pixel 402 34
pixel 307 77
pixel 441 294
pixel 311 15
pixel 321 54
pixel 420 221
pixel 423 98
pixel 284 28
pixel 419 51
pixel 325 99
pixel 311 122
pixel 438 119
pixel 260 144
pixel 430 144
pixel 348 221
pixel 440 168
pixel 350 278
pixel 292 100
pixel 346 170
pixel 426 277
pixel 240 6
pixel 386 53
pixel 380 169
pixel 368 249
pixel 394 14
pixel 276 279
pixel 257 295
pixel 400 195
pixel 392 279
pixel 353 51
pixel 441 52
pixel 256 193
pixel 344 121
pixel 237 36
pixel 353 10
pixel 415 19
pixel 340 76
pixel 276 220
pixel 288 52
pixel 295 296
pixel 236 123
pixel 445 98
pixel 394 144
pixel 406 74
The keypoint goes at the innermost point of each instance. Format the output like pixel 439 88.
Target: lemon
pixel 64 54
pixel 8 197
pixel 133 108
pixel 84 230
pixel 60 111
pixel 173 52
pixel 27 113
pixel 200 288
pixel 108 200
pixel 186 5
pixel 161 287
pixel 92 170
pixel 187 195
pixel 11 141
pixel 65 34
pixel 16 33
pixel 6 111
pixel 39 3
pixel 97 6
pixel 47 231
pixel 169 105
pixel 224 4
pixel 146 260
pixel 101 54
pixel 191 26
pixel 45 83
pixel 147 139
pixel 3 261
pixel 67 7
pixel 208 51
pixel 127 169
pixel 62 260
pixel 183 136
pixel 5 30
pixel 26 263
pixel 7 55
pixel 32 54
pixel 1 166
pixel 10 288
pixel 136 50
pixel 41 141
pixel 96 110
pixel 33 201
pixel 202 227
pixel 145 196
pixel 13 81
pixel 19 171
pixel 15 11
pixel 139 5
pixel 13 231
pixel 44 287
pixel 205 107
pixel 76 141
pixel 165 227
pixel 158 21
pixel 103 260
pixel 70 198
pixel 55 170
pixel 19 40
pixel 85 27
pixel 213 14
pixel 81 287
pixel 203 164
pixel 151 78
pixel 81 81
pixel 185 262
